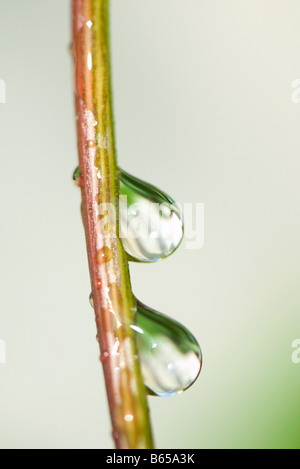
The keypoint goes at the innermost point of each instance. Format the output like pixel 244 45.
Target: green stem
pixel 114 303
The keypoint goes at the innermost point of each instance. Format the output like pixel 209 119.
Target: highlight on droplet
pixel 89 61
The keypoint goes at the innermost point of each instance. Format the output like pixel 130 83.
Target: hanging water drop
pixel 170 356
pixel 151 225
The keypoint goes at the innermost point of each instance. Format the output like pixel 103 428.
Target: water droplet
pixel 76 174
pixel 170 356
pixel 104 255
pixel 91 144
pixel 151 225
pixel 128 418
pixel 77 177
pixel 104 357
pixel 91 300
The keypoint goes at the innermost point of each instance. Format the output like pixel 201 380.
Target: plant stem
pixel 114 304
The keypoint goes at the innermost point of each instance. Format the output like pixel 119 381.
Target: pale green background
pixel 203 109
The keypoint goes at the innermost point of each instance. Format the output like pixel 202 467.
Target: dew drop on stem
pixel 170 356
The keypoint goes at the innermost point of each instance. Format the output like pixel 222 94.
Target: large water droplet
pixel 170 356
pixel 151 225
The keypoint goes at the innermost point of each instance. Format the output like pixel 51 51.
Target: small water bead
pixel 151 225
pixel 104 357
pixel 77 177
pixel 91 300
pixel 104 255
pixel 76 174
pixel 170 356
pixel 91 144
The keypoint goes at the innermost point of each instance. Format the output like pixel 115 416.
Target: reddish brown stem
pixel 113 300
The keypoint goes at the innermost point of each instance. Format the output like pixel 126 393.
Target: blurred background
pixel 204 110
